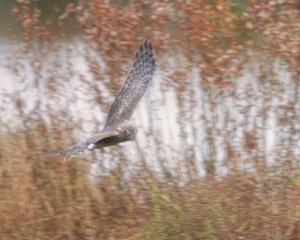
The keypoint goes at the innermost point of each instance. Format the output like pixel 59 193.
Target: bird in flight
pixel 117 128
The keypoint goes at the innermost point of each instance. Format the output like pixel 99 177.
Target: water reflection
pixel 200 124
pixel 185 132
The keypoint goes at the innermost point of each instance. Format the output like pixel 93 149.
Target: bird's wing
pixel 80 147
pixel 134 87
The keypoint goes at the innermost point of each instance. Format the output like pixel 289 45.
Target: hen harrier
pixel 117 128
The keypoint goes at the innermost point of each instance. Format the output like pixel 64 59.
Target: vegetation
pixel 232 177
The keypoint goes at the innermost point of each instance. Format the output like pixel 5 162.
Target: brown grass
pixel 47 198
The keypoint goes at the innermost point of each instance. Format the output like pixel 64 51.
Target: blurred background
pixel 218 147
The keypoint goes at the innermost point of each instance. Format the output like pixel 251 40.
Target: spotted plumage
pixel 117 128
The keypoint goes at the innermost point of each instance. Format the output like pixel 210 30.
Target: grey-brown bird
pixel 117 128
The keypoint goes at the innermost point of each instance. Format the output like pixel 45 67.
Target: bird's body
pixel 117 128
pixel 125 132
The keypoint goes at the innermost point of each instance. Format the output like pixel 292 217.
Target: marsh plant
pixel 217 150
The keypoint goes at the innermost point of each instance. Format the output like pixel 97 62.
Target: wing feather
pixel 80 147
pixel 134 87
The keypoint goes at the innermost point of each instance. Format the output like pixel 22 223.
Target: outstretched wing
pixel 134 87
pixel 80 147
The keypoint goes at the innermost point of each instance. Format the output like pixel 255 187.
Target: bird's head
pixel 130 132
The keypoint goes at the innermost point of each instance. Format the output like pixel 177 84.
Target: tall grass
pixel 223 165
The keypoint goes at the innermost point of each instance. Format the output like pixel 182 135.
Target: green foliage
pixel 238 7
